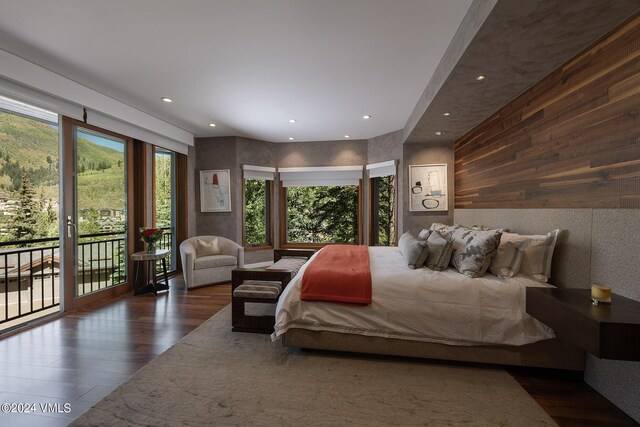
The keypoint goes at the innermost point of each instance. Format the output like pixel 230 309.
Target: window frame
pixel 175 253
pixel 374 197
pixel 269 188
pixel 301 245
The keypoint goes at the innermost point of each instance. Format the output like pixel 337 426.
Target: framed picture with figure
pixel 215 191
pixel 428 188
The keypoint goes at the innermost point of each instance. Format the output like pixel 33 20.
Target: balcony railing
pixel 28 279
pixel 166 242
pixel 30 273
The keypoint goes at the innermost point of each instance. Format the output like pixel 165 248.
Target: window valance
pixel 259 172
pixel 382 169
pixel 320 176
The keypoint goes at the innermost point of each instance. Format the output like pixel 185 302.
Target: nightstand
pixel 608 331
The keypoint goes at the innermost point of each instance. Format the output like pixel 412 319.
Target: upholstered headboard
pixel 595 245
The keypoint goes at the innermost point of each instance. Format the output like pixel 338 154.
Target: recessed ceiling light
pixel 290 138
pixel 366 116
pixel 481 77
pixel 439 132
pixel 212 125
pixel 292 120
pixel 165 99
pixel 347 136
pixel 446 114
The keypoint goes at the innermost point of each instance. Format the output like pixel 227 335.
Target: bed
pixel 425 313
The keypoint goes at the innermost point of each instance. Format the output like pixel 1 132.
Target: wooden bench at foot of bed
pixel 263 286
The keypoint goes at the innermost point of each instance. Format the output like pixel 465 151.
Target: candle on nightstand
pixel 600 294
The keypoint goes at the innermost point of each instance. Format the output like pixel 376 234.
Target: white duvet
pixel 423 305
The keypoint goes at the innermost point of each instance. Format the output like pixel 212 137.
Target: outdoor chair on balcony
pixel 208 260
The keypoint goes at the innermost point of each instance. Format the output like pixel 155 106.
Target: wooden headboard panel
pixel 595 245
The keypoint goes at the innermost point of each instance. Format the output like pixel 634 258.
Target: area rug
pixel 220 378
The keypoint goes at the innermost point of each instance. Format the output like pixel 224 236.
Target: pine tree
pixel 24 223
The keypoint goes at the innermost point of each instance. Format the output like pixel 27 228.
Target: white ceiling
pixel 246 65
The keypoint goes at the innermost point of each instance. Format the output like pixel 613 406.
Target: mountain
pixel 31 146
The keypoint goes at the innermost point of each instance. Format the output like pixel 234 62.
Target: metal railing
pixel 102 261
pixel 30 270
pixel 28 283
pixel 30 276
pixel 166 242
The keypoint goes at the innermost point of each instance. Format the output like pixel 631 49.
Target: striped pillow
pixel 508 258
pixel 536 260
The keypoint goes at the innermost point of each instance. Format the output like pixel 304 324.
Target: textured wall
pixel 419 154
pixel 614 262
pixel 216 153
pixel 256 153
pixel 570 141
pixel 322 153
pixel 380 149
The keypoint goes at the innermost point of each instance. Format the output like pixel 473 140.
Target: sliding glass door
pixel 100 211
pixel 95 205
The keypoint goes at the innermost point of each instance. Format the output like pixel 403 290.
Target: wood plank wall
pixel 570 141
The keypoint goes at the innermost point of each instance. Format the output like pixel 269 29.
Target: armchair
pixel 206 268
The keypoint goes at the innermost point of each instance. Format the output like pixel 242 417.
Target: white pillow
pixel 536 261
pixel 207 247
pixel 508 258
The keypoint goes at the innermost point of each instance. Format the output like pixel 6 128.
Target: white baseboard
pixel 258 264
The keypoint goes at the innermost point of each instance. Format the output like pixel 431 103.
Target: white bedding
pixel 423 305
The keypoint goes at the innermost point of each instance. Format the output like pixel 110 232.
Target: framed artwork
pixel 215 191
pixel 428 188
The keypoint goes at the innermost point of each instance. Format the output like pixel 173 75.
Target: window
pixel 165 201
pixel 258 188
pixel 320 205
pixel 322 214
pixel 383 214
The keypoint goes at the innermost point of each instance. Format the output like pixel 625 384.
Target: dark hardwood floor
pixel 80 358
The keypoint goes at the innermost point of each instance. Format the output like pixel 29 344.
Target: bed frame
pixel 555 353
pixel 558 353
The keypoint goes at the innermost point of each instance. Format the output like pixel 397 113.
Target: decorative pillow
pixel 440 249
pixel 536 261
pixel 508 258
pixel 414 251
pixel 483 228
pixel 473 250
pixel 207 247
pixel 424 234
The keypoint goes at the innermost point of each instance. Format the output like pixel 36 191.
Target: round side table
pixel 150 284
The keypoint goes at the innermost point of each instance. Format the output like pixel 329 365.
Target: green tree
pixel 322 214
pixel 163 190
pixel 255 211
pixel 90 223
pixel 23 224
pixel 386 211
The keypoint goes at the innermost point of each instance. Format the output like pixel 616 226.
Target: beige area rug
pixel 216 377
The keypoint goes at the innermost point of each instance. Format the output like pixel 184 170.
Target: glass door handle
pixel 70 224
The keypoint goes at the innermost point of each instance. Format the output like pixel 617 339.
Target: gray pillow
pixel 414 251
pixel 440 249
pixel 473 250
pixel 424 234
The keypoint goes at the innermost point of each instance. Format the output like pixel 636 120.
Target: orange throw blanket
pixel 338 273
